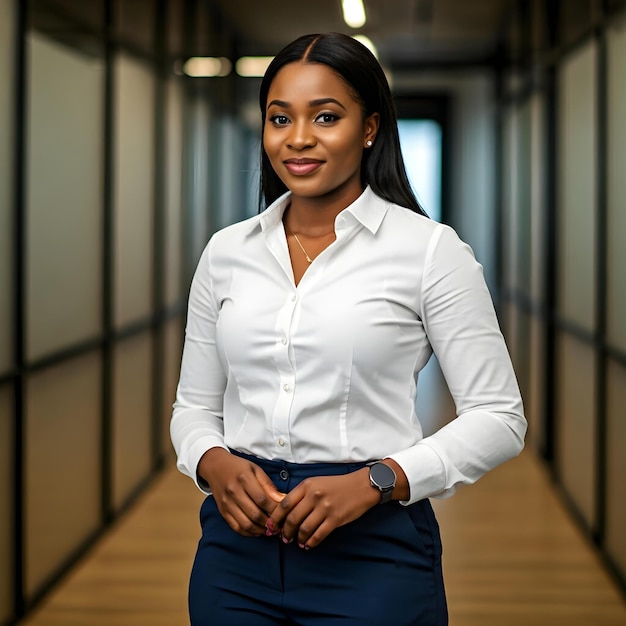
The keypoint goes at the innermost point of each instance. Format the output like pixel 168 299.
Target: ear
pixel 371 129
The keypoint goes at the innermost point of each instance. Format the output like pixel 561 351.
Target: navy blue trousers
pixel 382 569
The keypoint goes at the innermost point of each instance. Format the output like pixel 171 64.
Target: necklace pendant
pixel 306 254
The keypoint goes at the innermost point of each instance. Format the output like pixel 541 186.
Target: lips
pixel 301 167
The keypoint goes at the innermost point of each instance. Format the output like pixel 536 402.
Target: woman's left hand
pixel 318 505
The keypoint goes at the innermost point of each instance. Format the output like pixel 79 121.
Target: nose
pixel 300 136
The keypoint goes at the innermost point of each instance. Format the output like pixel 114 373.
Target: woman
pixel 307 327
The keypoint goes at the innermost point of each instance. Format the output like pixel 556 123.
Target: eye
pixel 326 118
pixel 279 120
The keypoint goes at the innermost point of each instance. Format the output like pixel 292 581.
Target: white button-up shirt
pixel 327 371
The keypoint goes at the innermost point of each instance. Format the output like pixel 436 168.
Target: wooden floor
pixel 512 557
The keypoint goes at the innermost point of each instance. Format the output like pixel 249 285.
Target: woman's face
pixel 315 131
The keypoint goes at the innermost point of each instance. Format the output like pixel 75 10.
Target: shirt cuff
pixel 424 470
pixel 189 465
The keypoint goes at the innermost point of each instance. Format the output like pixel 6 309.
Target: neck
pixel 316 216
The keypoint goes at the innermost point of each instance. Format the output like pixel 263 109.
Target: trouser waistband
pixel 302 470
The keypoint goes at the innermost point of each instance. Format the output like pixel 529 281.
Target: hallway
pixel 512 557
pixel 130 133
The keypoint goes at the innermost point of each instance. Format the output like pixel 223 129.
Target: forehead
pixel 308 81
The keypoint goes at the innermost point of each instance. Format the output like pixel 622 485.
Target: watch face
pixel 382 476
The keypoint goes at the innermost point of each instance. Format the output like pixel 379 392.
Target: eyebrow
pixel 312 103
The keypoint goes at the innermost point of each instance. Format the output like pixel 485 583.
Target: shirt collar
pixel 273 215
pixel 368 209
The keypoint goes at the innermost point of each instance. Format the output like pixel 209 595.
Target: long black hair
pixel 382 166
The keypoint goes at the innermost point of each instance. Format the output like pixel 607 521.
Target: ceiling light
pixel 252 66
pixel 207 66
pixel 353 13
pixel 367 42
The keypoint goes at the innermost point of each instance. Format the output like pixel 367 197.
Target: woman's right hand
pixel 243 492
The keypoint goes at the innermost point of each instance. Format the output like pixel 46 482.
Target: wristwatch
pixel 383 478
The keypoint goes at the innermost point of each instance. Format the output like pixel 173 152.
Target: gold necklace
pixel 306 255
pixel 308 258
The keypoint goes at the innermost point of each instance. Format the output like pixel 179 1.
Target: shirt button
pixel 284 341
pixel 285 387
pixel 281 442
pixel 294 297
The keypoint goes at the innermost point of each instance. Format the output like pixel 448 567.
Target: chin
pixel 309 188
pixel 306 189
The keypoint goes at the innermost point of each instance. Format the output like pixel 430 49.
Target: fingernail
pixel 268 533
pixel 270 525
pixel 285 540
pixel 301 545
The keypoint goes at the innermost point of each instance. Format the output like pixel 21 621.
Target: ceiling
pixel 405 32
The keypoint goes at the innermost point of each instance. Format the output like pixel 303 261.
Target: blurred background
pixel 129 133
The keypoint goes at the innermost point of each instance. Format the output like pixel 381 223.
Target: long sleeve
pixel 197 419
pixel 462 328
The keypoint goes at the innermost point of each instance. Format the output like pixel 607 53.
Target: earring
pixel 368 143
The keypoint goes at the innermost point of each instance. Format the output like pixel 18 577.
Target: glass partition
pixel 536 259
pixel 199 133
pixel 616 192
pixel 133 180
pixel 63 460
pixel 523 221
pixel 64 196
pixel 533 402
pixel 173 207
pixel 616 465
pixel 616 298
pixel 172 356
pixel 510 202
pixel 7 480
pixel 577 146
pixel 7 94
pixel 538 204
pixel 132 416
pixel 576 423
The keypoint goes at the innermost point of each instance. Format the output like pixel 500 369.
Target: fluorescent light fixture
pixel 199 67
pixel 367 42
pixel 252 66
pixel 353 13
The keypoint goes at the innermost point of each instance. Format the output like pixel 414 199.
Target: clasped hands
pixel 252 506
